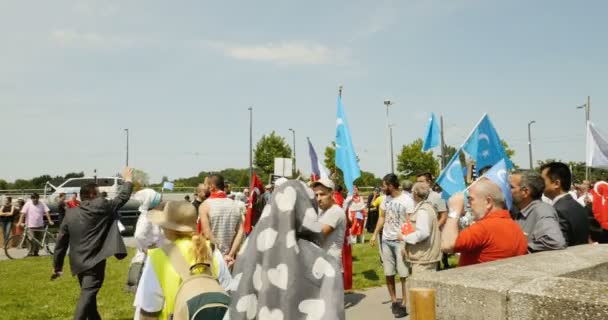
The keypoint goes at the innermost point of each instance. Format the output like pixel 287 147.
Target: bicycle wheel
pixel 50 243
pixel 17 246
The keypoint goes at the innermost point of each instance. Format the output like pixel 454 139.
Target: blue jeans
pixel 6 229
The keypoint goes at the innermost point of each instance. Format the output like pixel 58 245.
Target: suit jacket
pixel 573 220
pixel 91 233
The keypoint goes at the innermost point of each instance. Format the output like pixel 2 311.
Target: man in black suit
pixel 91 233
pixel 573 219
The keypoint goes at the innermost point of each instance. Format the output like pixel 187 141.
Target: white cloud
pixel 285 53
pixel 90 40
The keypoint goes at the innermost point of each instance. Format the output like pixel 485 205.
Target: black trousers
pixel 90 283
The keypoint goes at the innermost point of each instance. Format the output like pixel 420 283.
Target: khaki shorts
pixel 392 259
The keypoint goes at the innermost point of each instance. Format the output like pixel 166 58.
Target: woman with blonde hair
pixel 161 278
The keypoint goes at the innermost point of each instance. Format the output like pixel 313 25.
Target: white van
pixel 110 185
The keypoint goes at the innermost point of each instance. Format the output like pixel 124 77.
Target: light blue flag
pixel 498 175
pixel 168 185
pixel 451 178
pixel 485 147
pixel 433 136
pixel 346 159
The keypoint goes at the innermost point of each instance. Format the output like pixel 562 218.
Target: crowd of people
pixel 296 261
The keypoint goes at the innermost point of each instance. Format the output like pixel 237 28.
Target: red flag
pixel 600 203
pixel 257 188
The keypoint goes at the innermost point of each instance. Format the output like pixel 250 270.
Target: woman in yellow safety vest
pixel 159 281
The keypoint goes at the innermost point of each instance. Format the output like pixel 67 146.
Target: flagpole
pixel 250 146
pixel 442 162
pixel 335 166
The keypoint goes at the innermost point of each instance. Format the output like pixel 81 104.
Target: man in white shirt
pixel 331 217
pixel 396 206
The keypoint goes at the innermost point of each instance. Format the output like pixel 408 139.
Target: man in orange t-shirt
pixel 493 236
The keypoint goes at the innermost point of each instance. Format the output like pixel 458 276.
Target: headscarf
pixel 147 235
pixel 281 272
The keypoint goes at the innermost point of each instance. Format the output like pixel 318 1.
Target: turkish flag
pixel 257 188
pixel 600 203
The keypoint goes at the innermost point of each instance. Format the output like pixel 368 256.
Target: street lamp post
pixel 294 152
pixel 127 133
pixel 587 107
pixel 530 144
pixel 389 142
pixel 250 146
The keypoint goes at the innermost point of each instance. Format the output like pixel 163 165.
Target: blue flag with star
pixel 498 175
pixel 485 147
pixel 433 136
pixel 451 178
pixel 346 159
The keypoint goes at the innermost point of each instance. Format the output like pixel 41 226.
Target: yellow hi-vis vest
pixel 168 278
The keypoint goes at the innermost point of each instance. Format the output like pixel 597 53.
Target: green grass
pixel 27 293
pixel 367 269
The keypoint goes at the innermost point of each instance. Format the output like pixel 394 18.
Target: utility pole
pixel 294 171
pixel 127 132
pixel 389 143
pixel 530 144
pixel 250 146
pixel 587 108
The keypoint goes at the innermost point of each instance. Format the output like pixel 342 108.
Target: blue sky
pixel 181 75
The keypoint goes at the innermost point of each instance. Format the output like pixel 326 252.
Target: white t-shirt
pixel 150 296
pixel 395 213
pixel 333 242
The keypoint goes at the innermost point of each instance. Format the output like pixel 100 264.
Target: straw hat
pixel 174 215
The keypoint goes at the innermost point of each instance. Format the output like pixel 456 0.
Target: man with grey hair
pixel 422 237
pixel 440 207
pixel 493 236
pixel 538 220
pixel 406 186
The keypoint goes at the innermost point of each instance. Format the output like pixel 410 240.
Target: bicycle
pixel 19 246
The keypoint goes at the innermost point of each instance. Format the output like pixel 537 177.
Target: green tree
pixel 3 185
pixel 330 163
pixel 269 147
pixel 412 160
pixel 368 179
pixel 39 182
pixel 141 177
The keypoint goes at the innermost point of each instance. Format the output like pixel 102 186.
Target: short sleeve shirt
pixel 496 236
pixel 437 201
pixel 335 218
pixel 34 213
pixel 395 213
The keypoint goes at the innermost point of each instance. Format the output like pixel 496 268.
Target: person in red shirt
pixel 493 236
pixel 338 197
pixel 73 203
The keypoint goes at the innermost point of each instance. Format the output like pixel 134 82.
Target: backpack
pixel 199 296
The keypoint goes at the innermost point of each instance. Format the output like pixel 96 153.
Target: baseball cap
pixel 324 182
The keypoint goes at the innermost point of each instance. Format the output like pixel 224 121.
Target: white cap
pixel 324 182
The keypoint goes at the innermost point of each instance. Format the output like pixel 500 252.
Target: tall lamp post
pixel 587 107
pixel 294 153
pixel 530 143
pixel 389 144
pixel 250 145
pixel 127 133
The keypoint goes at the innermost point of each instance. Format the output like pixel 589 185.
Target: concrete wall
pixel 564 284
